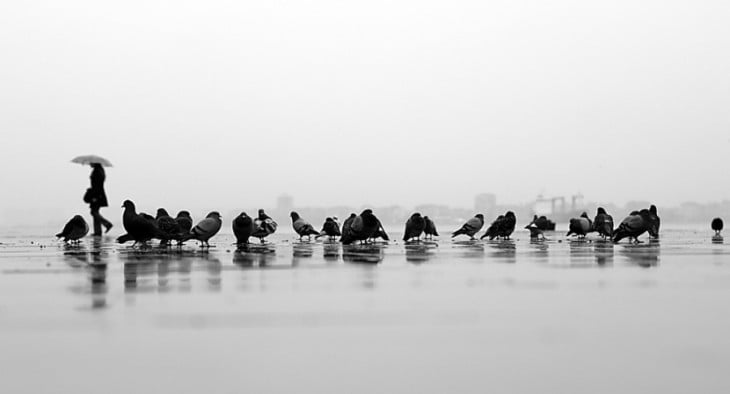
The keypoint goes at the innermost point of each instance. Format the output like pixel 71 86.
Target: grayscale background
pixel 223 104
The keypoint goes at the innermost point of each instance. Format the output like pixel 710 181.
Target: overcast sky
pixel 219 104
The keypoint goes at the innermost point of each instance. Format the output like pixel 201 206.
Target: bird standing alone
pixel 471 227
pixel 74 230
pixel 414 227
pixel 717 226
pixel 302 227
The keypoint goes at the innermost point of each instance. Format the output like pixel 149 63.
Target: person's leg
pixel 107 224
pixel 97 220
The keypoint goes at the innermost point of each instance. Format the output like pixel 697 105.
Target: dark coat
pixel 96 193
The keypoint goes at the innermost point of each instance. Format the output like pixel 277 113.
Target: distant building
pixel 485 202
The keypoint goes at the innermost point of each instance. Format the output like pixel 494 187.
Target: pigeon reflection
pixel 250 255
pixel 469 249
pixel 301 251
pixel 504 251
pixel 214 268
pixel 75 255
pixel 368 254
pixel 644 255
pixel 150 269
pixel 331 251
pixel 581 252
pixel 603 251
pixel 420 252
pixel 92 259
pixel 539 249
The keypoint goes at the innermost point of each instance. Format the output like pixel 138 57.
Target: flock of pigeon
pixel 363 228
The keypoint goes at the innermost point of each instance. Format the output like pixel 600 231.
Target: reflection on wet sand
pixel 75 255
pixel 420 252
pixel 98 274
pixel 603 250
pixel 539 249
pixel 301 251
pixel 504 251
pixel 644 255
pixel 469 249
pixel 370 254
pixel 331 251
pixel 247 256
pixel 581 252
pixel 214 268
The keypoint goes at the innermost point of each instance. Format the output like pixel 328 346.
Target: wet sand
pixel 446 317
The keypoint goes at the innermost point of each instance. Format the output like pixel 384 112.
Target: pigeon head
pixel 353 215
pixel 652 209
pixel 243 215
pixel 294 215
pixel 78 218
pixel 367 212
pixel 416 215
pixel 161 212
pixel 601 211
pixel 214 214
pixel 480 216
pixel 509 214
pixel 329 220
pixel 128 204
pixel 183 214
pixel 262 214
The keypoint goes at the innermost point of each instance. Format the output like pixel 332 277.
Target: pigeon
pixel 533 222
pixel 430 229
pixel 654 222
pixel 330 228
pixel 471 227
pixel 380 233
pixel 580 226
pixel 185 221
pixel 507 226
pixel 716 225
pixel 75 229
pixel 502 227
pixel 140 227
pixel 361 228
pixel 415 226
pixel 301 226
pixel 535 232
pixel 243 227
pixel 603 223
pixel 265 226
pixel 347 224
pixel 637 223
pixel 493 229
pixel 541 223
pixel 169 226
pixel 205 229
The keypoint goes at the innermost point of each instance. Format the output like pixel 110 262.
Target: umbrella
pixel 91 159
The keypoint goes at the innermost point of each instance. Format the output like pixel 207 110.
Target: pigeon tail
pixel 124 238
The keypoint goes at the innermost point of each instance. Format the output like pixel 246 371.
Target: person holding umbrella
pixel 95 195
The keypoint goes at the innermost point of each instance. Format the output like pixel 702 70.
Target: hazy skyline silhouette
pixel 222 105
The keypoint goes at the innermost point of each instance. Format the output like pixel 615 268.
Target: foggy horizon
pixel 230 105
